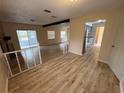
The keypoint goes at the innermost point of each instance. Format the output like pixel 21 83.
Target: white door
pixel 117 55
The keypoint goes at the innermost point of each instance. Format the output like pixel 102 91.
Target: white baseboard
pixel 114 71
pixel 74 52
pixel 107 62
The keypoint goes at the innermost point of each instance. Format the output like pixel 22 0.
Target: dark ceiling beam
pixel 56 23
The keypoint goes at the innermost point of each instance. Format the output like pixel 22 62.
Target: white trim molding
pixel 74 52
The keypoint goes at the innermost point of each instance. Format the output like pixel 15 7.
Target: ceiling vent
pixel 47 11
pixel 32 20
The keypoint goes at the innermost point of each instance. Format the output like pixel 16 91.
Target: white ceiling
pixel 22 11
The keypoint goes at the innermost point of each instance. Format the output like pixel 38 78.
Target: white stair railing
pixel 30 56
pixel 22 56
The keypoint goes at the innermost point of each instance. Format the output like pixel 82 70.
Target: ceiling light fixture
pixel 73 0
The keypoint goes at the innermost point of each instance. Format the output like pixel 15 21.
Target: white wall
pixel 3 69
pixel 111 27
pixel 3 76
pixel 76 35
pixel 117 55
pixel 57 29
pixel 10 30
pixel 77 32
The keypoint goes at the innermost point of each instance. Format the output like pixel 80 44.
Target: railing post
pixel 34 57
pixel 18 62
pixel 67 47
pixel 40 55
pixel 64 50
pixel 8 65
pixel 26 58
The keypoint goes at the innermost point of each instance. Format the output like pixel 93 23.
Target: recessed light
pixel 47 11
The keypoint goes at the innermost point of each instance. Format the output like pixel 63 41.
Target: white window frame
pixel 51 34
pixel 29 44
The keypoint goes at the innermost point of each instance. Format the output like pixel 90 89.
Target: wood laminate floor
pixel 30 56
pixel 67 74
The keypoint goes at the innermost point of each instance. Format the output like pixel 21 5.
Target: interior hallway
pixel 67 74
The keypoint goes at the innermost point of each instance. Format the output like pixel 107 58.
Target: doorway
pixel 27 38
pixel 93 34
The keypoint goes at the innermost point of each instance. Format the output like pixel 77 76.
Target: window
pixel 63 36
pixel 27 38
pixel 51 34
